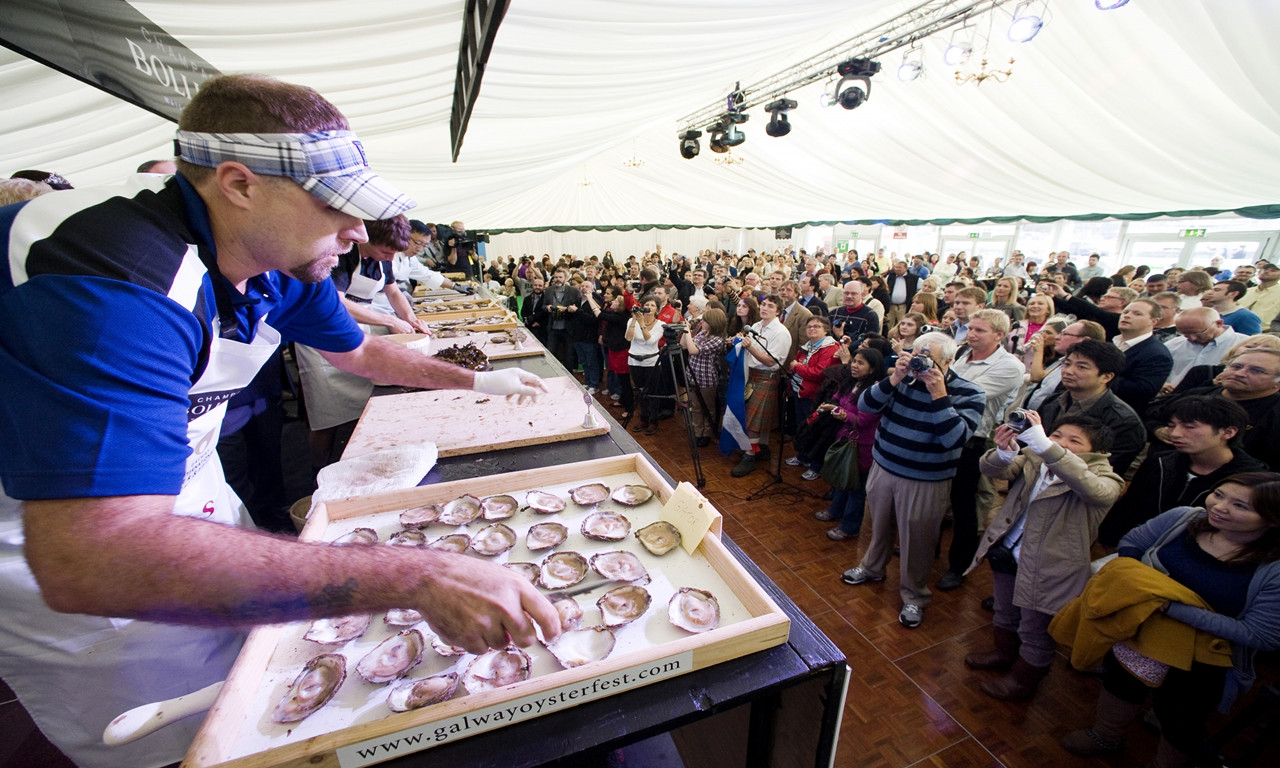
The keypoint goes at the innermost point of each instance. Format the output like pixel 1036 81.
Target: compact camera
pixel 1017 420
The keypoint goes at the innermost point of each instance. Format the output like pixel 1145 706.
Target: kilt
pixel 762 400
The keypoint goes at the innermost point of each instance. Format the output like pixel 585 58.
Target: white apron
pixel 74 673
pixel 335 397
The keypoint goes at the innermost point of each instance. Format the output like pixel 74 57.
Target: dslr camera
pixel 919 363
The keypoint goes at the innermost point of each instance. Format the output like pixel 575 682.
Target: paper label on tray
pixel 443 731
pixel 691 513
pixel 423 345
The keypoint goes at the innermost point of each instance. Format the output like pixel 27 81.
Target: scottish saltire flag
pixel 733 433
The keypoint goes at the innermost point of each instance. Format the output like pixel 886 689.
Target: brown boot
pixel 1018 685
pixel 1110 722
pixel 1169 756
pixel 1005 653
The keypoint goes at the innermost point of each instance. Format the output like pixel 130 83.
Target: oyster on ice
pixel 454 542
pixel 576 647
pixel 619 565
pixel 496 669
pixel 498 507
pixel 493 540
pixel 358 536
pixel 545 536
pixel 659 538
pixel 562 569
pixel 420 517
pixel 606 526
pixel 694 610
pixel 338 629
pixel 409 537
pixel 632 495
pixel 402 617
pixel 530 571
pixel 543 503
pixel 393 657
pixel 318 681
pixel 623 605
pixel 415 694
pixel 586 495
pixel 460 511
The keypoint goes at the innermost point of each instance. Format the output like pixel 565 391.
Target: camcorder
pixel 641 311
pixel 672 332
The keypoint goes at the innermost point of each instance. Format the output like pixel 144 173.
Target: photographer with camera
pixel 910 479
pixel 460 249
pixel 644 331
pixel 854 318
pixel 705 343
pixel 562 304
pixel 1060 487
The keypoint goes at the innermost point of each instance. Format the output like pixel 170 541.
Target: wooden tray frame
pixel 767 627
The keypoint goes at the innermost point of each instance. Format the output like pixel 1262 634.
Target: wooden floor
pixel 911 701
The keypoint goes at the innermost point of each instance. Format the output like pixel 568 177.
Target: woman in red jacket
pixel 814 356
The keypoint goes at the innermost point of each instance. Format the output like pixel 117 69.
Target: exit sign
pixel 974 235
pixel 1191 233
pixel 842 246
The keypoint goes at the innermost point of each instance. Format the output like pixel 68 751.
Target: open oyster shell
pixel 544 503
pixel 402 617
pixel 659 538
pixel 586 495
pixel 498 507
pixel 632 495
pixel 496 669
pixel 623 605
pixel 444 649
pixel 338 629
pixel 422 692
pixel 545 536
pixel 358 536
pixel 409 537
pixel 576 647
pixel 460 511
pixel 570 612
pixel 530 571
pixel 493 540
pixel 420 517
pixel 393 657
pixel 694 610
pixel 562 569
pixel 318 681
pixel 606 526
pixel 454 542
pixel 619 565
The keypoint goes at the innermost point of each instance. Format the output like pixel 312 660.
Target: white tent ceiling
pixel 1162 105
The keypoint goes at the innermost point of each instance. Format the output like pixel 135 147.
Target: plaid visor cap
pixel 329 164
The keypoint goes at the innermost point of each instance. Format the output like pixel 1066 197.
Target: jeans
pixel 589 357
pixel 848 507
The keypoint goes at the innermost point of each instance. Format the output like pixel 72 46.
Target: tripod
pixel 681 402
pixel 776 484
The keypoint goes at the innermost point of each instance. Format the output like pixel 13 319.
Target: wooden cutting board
pixel 459 423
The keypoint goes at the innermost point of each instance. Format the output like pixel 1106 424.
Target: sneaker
pixel 824 515
pixel 949 581
pixel 858 575
pixel 615 396
pixel 592 390
pixel 809 474
pixel 746 465
pixel 794 461
pixel 840 534
pixel 911 617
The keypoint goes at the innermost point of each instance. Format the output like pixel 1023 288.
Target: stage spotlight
pixel 1109 5
pixel 689 144
pixel 1025 25
pixel 857 70
pixel 961 47
pixel 911 67
pixel 778 123
pixel 733 137
pixel 715 136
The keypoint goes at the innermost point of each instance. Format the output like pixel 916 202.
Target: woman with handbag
pixel 1227 555
pixel 852 459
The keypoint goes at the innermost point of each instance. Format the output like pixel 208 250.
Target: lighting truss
pixel 907 29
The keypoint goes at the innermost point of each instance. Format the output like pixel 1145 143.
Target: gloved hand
pixel 1035 439
pixel 512 382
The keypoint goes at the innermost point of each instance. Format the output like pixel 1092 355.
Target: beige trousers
pixel 916 508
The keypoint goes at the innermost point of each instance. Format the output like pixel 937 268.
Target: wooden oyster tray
pixel 530 347
pixel 462 422
pixel 494 319
pixel 239 733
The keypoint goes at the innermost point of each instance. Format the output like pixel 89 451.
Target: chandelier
pixel 633 162
pixel 728 158
pixel 983 74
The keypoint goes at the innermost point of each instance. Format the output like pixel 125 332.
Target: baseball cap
pixel 329 164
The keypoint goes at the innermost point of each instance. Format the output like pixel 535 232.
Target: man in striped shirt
pixel 928 414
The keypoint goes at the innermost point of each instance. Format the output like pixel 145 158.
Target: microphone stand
pixel 776 484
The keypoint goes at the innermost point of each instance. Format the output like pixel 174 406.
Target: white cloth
pixel 1125 346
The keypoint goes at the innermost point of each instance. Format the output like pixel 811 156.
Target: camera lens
pixel 1017 420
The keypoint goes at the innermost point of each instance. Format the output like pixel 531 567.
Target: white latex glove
pixel 512 382
pixel 1035 439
